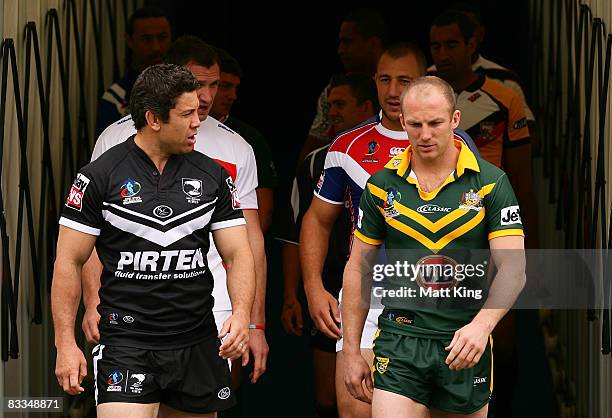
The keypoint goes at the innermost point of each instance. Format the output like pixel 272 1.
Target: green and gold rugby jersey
pixel 474 205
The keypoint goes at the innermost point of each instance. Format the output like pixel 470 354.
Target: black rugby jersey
pixel 153 236
pixel 308 175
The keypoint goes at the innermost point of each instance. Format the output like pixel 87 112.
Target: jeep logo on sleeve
pixel 511 215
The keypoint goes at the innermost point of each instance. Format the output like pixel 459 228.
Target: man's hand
pixel 236 328
pixel 324 312
pixel 91 321
pixel 291 317
pixel 357 376
pixel 259 348
pixel 70 369
pixel 467 346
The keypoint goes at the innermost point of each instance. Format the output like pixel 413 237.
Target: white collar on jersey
pixel 388 132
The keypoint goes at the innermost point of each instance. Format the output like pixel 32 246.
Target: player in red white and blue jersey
pixel 352 158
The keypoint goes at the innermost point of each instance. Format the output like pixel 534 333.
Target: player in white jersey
pixel 230 150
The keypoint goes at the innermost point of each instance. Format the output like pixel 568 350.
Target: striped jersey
pixel 227 148
pixel 153 235
pixel 475 204
pixel 494 117
pixel 357 154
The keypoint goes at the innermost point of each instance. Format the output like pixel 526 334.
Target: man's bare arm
pixel 469 342
pixel 257 337
pixel 73 249
pixel 291 314
pixel 256 243
pixel 234 249
pixel 265 204
pixel 356 288
pixel 90 281
pixel 314 241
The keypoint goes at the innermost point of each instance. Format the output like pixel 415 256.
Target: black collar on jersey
pixel 476 85
pixel 171 166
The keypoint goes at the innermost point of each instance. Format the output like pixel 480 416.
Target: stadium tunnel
pixel 59 56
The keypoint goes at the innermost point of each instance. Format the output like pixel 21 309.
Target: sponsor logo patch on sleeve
pixel 234 192
pixel 521 123
pixel 510 215
pixel 320 182
pixel 77 192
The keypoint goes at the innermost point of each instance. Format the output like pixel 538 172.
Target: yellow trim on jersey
pixel 376 334
pixel 442 242
pixel 422 220
pixel 367 240
pixel 485 190
pixel 491 380
pixel 466 160
pixel 506 233
pixel 463 229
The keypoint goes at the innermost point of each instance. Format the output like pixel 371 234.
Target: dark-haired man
pixel 231 151
pixel 487 67
pixel 267 180
pixel 352 100
pixel 148 206
pixel 361 39
pixel 148 37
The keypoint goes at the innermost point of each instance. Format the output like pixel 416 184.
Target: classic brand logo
pixel 429 208
pixel 162 211
pixel 224 393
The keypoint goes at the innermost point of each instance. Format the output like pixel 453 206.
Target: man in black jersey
pixel 148 205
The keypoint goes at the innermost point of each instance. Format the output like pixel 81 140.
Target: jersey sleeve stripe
pixel 506 233
pixel 328 200
pixel 227 224
pixel 368 240
pixel 79 226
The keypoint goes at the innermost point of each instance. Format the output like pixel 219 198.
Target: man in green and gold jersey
pixel 436 208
